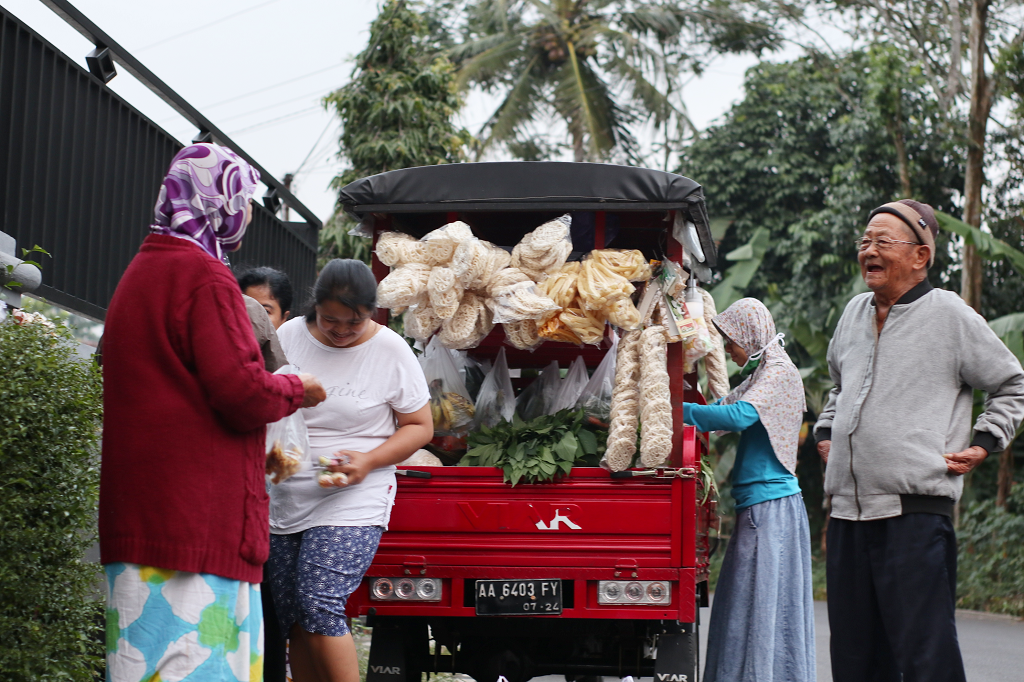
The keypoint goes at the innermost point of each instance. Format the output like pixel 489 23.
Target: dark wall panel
pixel 79 173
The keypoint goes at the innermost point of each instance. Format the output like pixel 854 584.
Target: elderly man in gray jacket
pixel 896 435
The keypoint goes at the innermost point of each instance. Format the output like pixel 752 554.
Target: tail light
pixel 405 589
pixel 633 592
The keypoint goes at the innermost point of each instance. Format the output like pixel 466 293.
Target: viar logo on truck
pixel 521 516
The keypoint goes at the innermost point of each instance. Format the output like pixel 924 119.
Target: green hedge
pixel 990 570
pixel 50 415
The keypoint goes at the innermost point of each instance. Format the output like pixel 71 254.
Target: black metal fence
pixel 79 173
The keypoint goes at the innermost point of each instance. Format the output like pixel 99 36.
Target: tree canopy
pixel 396 112
pixel 598 68
pixel 807 153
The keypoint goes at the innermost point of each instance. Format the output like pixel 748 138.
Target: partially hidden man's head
pixel 898 245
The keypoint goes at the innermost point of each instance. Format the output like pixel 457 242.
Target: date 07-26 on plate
pixel 518 597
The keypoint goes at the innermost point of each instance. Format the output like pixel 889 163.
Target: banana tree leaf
pixel 736 279
pixel 989 247
pixel 1010 328
pixel 1014 322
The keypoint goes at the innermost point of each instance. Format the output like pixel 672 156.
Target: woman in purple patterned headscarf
pixel 183 504
pixel 205 198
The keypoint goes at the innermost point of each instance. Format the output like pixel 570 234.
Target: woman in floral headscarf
pixel 762 620
pixel 183 508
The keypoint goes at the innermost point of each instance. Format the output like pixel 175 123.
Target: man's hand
pixel 312 391
pixel 961 462
pixel 823 447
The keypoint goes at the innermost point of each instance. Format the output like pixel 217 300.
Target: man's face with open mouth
pixel 887 264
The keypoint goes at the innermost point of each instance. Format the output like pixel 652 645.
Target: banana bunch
pixel 449 410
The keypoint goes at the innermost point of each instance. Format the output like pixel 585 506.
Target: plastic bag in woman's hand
pixel 450 406
pixel 496 400
pixel 287 442
pixel 572 386
pixel 596 398
pixel 537 398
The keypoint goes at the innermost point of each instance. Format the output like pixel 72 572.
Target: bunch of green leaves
pixel 990 574
pixel 50 414
pixel 9 281
pixel 706 478
pixel 537 450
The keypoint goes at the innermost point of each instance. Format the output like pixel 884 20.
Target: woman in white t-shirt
pixel 376 415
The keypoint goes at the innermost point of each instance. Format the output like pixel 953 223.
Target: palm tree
pixel 599 66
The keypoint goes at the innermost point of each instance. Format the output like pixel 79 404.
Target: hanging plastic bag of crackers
pixel 287 442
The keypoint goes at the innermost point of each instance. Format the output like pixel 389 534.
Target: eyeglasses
pixel 882 243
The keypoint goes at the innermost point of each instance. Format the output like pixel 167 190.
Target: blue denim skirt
pixel 762 618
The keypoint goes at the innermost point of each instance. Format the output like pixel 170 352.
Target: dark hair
pixel 280 285
pixel 348 282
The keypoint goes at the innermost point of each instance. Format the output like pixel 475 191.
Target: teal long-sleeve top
pixel 757 475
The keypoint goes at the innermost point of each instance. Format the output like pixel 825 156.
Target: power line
pixel 330 122
pixel 264 89
pixel 205 26
pixel 294 114
pixel 270 106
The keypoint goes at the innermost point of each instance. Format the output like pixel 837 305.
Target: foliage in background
pixel 85 331
pixel 396 112
pixel 813 146
pixel 337 242
pixel 537 450
pixel 597 68
pixel 50 414
pixel 806 155
pixel 990 575
pixel 971 55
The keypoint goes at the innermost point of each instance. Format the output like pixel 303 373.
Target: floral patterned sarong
pixel 174 626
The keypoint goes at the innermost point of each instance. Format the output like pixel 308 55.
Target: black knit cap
pixel 926 211
pixel 920 218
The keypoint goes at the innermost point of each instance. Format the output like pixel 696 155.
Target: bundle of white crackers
pixel 455 285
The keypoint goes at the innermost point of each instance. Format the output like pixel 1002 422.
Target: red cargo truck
pixel 590 575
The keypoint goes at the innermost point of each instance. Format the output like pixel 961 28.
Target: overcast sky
pixel 258 68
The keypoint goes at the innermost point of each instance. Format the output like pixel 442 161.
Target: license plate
pixel 518 597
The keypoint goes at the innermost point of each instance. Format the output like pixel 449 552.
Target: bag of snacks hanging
pixel 450 406
pixel 544 251
pixel 572 385
pixel 537 398
pixel 287 442
pixel 496 400
pixel 596 398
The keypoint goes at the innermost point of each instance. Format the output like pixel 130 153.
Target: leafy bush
pixel 990 572
pixel 50 408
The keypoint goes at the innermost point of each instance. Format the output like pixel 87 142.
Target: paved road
pixel 992 646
